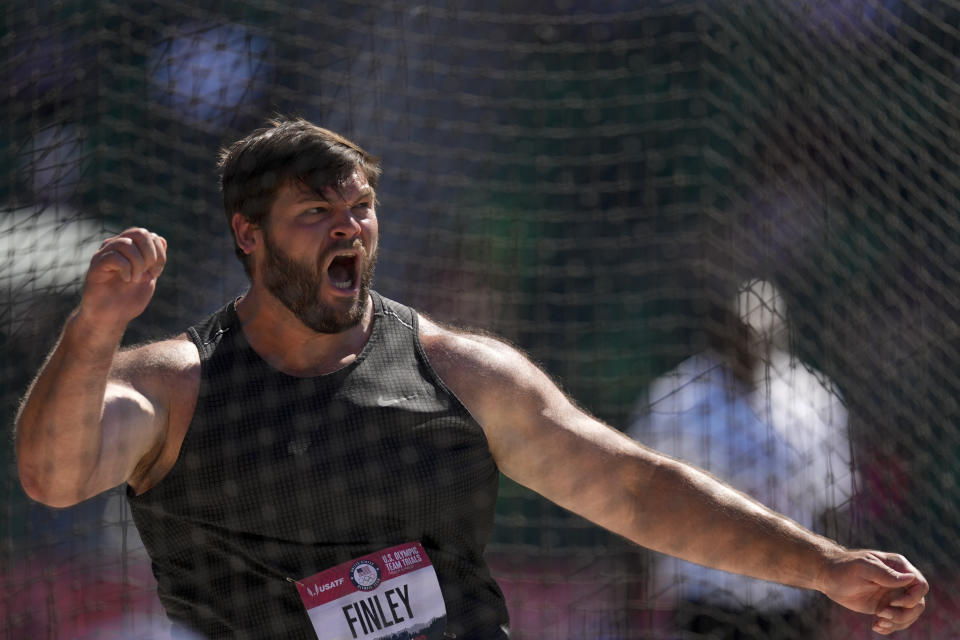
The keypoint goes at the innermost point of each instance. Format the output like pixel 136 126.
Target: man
pixel 313 431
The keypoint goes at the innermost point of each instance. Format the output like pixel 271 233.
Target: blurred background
pixel 600 182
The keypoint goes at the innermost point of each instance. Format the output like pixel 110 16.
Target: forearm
pixel 58 430
pixel 686 513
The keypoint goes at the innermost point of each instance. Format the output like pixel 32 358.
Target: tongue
pixel 339 272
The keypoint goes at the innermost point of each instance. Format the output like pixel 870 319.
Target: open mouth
pixel 343 271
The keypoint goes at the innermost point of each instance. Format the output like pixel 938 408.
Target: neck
pixel 288 345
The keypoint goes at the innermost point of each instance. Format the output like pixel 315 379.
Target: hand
pixel 122 277
pixel 882 584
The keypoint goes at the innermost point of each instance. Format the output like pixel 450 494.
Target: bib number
pixel 392 594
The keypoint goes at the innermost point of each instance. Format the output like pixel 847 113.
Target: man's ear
pixel 245 232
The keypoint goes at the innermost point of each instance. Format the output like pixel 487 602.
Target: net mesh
pixel 594 181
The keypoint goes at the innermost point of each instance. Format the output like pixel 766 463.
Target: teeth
pixel 345 274
pixel 346 284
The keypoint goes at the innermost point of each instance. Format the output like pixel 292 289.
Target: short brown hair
pixel 289 150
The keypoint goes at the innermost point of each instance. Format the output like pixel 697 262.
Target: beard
pixel 297 287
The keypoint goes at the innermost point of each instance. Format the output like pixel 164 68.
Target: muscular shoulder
pixel 174 361
pixel 499 384
pixel 459 357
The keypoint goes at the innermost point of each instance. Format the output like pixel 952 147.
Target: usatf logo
pixel 365 575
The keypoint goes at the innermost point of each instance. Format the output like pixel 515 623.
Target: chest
pixel 321 461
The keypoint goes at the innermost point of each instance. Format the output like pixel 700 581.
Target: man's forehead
pixel 354 186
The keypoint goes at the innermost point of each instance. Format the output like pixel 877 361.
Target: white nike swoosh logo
pixel 388 402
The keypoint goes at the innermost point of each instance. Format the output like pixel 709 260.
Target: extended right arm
pixel 91 419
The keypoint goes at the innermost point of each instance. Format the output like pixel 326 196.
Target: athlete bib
pixel 391 594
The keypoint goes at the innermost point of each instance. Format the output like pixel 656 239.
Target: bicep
pixel 542 440
pixel 551 446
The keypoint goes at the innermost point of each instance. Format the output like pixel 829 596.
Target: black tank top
pixel 280 477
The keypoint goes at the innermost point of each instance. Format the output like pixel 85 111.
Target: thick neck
pixel 287 345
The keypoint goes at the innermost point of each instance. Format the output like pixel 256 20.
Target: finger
pixel 895 618
pixel 893 571
pixel 126 247
pixel 915 592
pixel 143 241
pixel 898 562
pixel 902 614
pixel 889 626
pixel 160 247
pixel 109 261
pixel 884 627
pixel 912 595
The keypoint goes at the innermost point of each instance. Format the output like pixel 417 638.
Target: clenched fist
pixel 122 277
pixel 885 585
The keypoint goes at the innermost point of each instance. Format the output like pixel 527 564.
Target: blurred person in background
pixel 748 411
pixel 313 424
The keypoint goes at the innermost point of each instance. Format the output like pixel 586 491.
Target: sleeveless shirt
pixel 280 477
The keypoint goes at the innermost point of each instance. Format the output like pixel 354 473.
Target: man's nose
pixel 345 224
